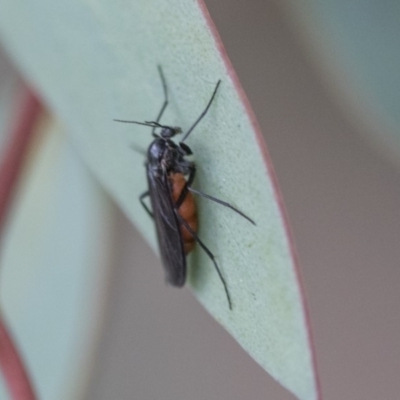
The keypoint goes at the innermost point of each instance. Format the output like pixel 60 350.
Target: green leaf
pixel 54 263
pixel 94 61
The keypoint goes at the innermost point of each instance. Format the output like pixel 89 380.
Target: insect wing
pixel 168 229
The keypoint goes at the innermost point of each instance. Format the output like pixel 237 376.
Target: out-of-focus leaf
pixel 355 44
pixel 54 262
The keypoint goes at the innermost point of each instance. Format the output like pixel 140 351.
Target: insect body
pixel 187 210
pixel 170 175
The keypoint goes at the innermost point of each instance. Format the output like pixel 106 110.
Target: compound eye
pixel 167 132
pixel 186 149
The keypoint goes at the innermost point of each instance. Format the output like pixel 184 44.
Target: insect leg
pixel 224 203
pixel 203 113
pixel 142 196
pixel 188 187
pixel 138 149
pixel 208 252
pixel 164 106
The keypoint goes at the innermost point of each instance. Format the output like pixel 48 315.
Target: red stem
pixel 11 364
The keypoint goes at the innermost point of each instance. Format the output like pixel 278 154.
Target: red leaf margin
pixel 272 176
pixel 21 132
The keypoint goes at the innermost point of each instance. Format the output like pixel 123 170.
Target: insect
pixel 170 175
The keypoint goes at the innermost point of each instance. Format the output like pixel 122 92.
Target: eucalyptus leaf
pixel 94 61
pixel 54 265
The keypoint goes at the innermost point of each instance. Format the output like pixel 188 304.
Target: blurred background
pixel 331 128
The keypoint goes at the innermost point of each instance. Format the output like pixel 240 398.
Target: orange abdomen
pixel 187 210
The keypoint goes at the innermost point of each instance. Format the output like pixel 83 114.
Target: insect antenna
pixel 203 113
pixel 154 124
pixel 151 124
pixel 164 106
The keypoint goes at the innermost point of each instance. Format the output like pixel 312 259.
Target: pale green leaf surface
pixel 54 264
pixel 95 61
